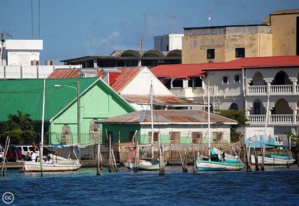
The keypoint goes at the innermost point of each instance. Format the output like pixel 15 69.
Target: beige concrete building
pixel 277 35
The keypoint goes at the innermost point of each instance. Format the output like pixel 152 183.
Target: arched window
pixel 234 106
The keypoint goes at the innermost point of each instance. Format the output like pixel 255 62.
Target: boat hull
pixel 131 166
pixel 206 165
pixel 273 160
pixel 69 165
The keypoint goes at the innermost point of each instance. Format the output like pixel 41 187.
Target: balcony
pixel 274 89
pixel 274 119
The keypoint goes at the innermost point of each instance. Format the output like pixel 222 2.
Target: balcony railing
pixel 273 119
pixel 274 89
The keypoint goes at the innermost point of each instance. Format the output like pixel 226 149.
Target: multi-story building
pixel 277 35
pixel 246 83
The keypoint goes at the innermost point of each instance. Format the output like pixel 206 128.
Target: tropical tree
pixel 239 116
pixel 19 127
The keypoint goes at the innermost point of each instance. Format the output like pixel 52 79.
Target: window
pixel 240 52
pixel 210 53
pixel 196 137
pixel 225 80
pixel 195 82
pixel 156 137
pixel 175 137
pixel 217 137
pixel 234 106
pixel 237 78
pixel 257 108
pixel 177 83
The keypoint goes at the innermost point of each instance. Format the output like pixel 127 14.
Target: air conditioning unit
pixel 34 62
pixel 49 62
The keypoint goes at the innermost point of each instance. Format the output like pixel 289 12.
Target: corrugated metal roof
pixel 192 70
pixel 64 73
pixel 257 62
pixel 169 117
pixel 126 76
pixel 26 95
pixel 156 99
pixel 177 70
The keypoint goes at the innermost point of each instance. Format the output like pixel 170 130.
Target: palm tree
pixel 20 127
pixel 19 121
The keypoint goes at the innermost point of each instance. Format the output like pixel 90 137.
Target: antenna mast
pixel 172 23
pixel 141 39
pixel 209 13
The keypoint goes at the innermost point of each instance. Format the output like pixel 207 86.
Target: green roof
pixel 26 95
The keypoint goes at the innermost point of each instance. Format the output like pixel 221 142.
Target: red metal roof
pixel 191 70
pixel 156 99
pixel 64 73
pixel 124 78
pixel 257 62
pixel 170 117
pixel 177 70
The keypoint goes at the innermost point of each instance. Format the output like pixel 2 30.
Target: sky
pixel 75 28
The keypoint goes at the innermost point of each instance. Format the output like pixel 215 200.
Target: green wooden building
pixel 169 127
pixel 97 102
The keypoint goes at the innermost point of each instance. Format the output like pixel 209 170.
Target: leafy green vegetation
pixel 239 116
pixel 19 127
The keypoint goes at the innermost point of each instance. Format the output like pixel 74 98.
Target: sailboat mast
pixel 42 129
pixel 152 120
pixel 209 120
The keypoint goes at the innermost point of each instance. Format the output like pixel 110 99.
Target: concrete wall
pixel 284 30
pixel 224 41
pixel 168 42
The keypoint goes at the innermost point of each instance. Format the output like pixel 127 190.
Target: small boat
pixel 282 158
pixel 215 161
pixel 144 164
pixel 54 164
pixel 205 164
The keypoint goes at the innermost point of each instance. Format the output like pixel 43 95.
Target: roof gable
pixel 26 95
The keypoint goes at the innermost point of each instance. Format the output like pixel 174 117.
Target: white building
pixel 20 59
pixel 21 52
pixel 243 84
pixel 168 42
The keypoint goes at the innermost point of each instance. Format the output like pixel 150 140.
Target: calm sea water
pixel 278 186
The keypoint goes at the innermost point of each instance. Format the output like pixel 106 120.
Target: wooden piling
pixel 161 161
pixel 110 157
pixel 248 168
pixel 183 162
pixel 136 158
pixel 4 168
pixel 99 159
pixel 194 159
pixel 257 168
pixel 263 158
